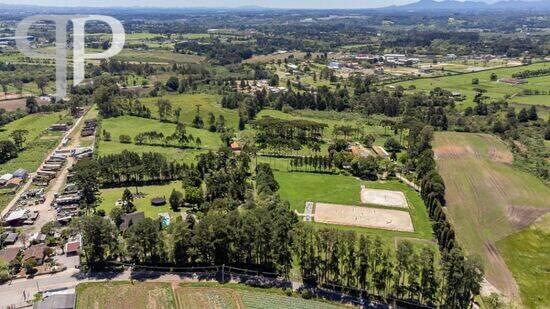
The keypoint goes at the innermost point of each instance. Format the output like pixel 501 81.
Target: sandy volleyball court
pixel 383 197
pixel 389 219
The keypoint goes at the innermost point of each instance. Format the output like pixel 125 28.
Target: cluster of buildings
pixel 17 251
pixel 67 204
pixel 15 179
pixel 362 151
pixel 50 169
pixel 90 126
pixel 260 85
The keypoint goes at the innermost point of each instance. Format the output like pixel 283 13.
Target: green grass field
pixel 131 126
pixel 188 103
pixel 527 254
pixel 157 56
pixel 39 140
pixel 333 119
pixel 495 90
pixel 298 188
pixel 110 196
pixel 487 198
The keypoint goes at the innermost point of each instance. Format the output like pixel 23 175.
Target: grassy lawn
pixel 487 198
pixel 39 140
pixel 123 294
pixel 495 90
pixel 298 188
pixel 188 103
pixel 110 196
pixel 527 254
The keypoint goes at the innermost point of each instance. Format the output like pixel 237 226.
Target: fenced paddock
pixel 383 197
pixel 388 219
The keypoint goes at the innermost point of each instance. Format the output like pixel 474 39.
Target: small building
pixel 334 65
pixel 36 252
pixel 131 219
pixel 450 56
pixel 10 239
pixel 37 238
pixel 72 248
pixel 158 201
pixel 5 178
pixel 21 173
pixel 68 199
pixel 17 217
pixel 47 174
pixel 14 182
pixel 9 255
pixel 60 127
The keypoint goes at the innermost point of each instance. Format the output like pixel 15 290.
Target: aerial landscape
pixel 370 154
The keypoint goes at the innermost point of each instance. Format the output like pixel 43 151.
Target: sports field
pixel 383 197
pixel 487 199
pixel 298 188
pixel 495 89
pixel 378 218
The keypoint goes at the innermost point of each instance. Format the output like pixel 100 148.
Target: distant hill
pixel 457 6
pixel 420 6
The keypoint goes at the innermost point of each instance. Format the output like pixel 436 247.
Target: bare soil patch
pixel 522 217
pixel 499 155
pixel 388 219
pixel 383 197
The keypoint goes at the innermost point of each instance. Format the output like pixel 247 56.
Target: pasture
pixel 131 126
pixel 487 198
pixel 332 119
pixel 527 254
pixel 189 103
pixel 110 196
pixel 495 89
pixel 124 295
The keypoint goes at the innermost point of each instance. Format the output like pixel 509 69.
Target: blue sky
pixel 213 3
